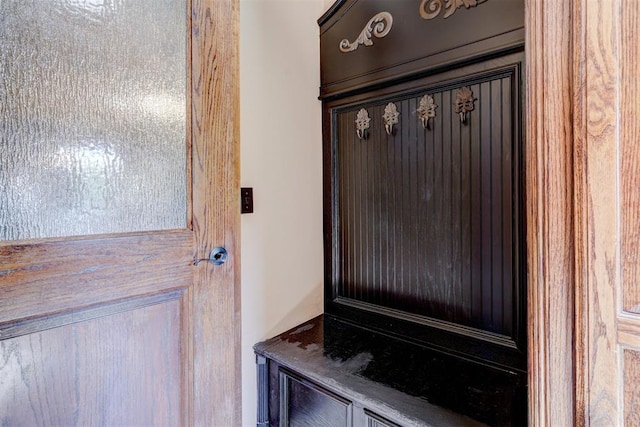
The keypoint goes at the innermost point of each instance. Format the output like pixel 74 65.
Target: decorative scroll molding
pixel 464 102
pixel 362 123
pixel 390 117
pixel 379 26
pixel 429 9
pixel 427 110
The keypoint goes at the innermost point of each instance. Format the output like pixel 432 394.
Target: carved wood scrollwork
pixel 429 9
pixel 378 26
pixel 362 123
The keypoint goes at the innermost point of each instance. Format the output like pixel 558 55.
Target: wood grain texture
pixel 215 298
pixel 49 277
pixel 548 197
pixel 631 373
pixel 629 330
pixel 629 52
pixel 596 84
pixel 82 314
pixel 51 377
pixel 628 323
pixel 189 118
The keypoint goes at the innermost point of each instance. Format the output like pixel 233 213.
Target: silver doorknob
pixel 217 256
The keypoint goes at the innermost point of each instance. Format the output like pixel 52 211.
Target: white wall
pixel 281 158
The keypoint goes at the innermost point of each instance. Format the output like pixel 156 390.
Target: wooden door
pixel 122 328
pixel 583 202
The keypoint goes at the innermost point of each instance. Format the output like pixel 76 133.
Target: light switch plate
pixel 246 200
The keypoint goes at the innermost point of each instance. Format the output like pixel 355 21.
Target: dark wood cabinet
pixel 327 372
pixel 423 230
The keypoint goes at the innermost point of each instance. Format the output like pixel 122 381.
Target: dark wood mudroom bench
pixel 327 372
pixel 424 251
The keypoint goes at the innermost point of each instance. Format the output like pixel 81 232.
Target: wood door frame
pixel 549 190
pixel 216 150
pixel 581 111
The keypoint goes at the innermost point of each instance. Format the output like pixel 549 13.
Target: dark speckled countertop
pixel 411 384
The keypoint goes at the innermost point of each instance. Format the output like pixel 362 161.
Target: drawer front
pixel 375 420
pixel 305 404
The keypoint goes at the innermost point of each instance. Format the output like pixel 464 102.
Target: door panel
pixel 124 329
pixel 89 372
pixel 40 279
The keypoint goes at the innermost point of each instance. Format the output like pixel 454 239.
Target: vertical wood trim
pixel 189 115
pixel 582 245
pixel 548 195
pixel 596 128
pixel 186 319
pixel 628 324
pixel 216 210
pixel 186 343
pixel 579 120
pixel 628 177
pixel 629 154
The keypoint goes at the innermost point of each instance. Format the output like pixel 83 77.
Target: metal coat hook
pixel 362 123
pixel 390 117
pixel 427 110
pixel 464 103
pixel 217 256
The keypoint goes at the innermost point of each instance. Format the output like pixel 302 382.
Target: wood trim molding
pixel 607 55
pixel 581 197
pixel 39 277
pixel 549 210
pixel 216 199
pixel 579 121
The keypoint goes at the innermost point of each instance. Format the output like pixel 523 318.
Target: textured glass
pixel 92 117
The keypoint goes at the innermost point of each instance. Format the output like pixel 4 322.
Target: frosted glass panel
pixel 92 117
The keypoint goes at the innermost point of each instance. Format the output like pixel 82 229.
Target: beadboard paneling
pixel 427 219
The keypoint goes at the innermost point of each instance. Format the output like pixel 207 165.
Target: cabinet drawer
pixel 375 420
pixel 305 404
